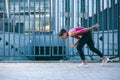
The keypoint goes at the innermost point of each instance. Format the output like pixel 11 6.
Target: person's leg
pixel 81 53
pixel 92 48
pixel 79 47
pixel 90 44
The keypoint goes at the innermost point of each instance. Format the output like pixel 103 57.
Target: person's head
pixel 63 34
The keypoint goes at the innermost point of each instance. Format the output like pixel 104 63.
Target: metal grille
pixel 29 28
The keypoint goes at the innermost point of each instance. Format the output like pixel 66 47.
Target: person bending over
pixel 86 38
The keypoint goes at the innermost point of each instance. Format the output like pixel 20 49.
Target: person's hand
pixel 96 26
pixel 71 45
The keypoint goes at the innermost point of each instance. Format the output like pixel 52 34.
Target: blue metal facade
pixel 29 28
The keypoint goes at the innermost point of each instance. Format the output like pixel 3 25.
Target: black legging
pixel 87 39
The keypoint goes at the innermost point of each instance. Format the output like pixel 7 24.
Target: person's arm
pixel 74 44
pixel 73 32
pixel 77 40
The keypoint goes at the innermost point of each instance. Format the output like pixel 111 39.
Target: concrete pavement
pixel 58 71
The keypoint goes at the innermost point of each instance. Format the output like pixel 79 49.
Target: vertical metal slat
pixel 102 25
pixel 118 28
pixel 112 24
pixel 93 18
pixel 108 27
pixel 33 27
pixel 97 12
pixel 14 19
pixel 4 51
pixel 39 28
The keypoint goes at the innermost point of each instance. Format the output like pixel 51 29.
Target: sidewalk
pixel 58 71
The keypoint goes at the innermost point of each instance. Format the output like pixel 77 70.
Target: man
pixel 86 38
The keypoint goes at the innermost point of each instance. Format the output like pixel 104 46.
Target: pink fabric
pixel 77 29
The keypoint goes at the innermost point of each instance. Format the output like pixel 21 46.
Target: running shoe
pixel 105 61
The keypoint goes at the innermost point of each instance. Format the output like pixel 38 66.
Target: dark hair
pixel 62 31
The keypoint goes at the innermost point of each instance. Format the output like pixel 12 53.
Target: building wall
pixel 33 27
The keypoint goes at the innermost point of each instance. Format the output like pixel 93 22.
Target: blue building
pixel 29 28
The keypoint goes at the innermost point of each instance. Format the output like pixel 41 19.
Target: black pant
pixel 87 39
